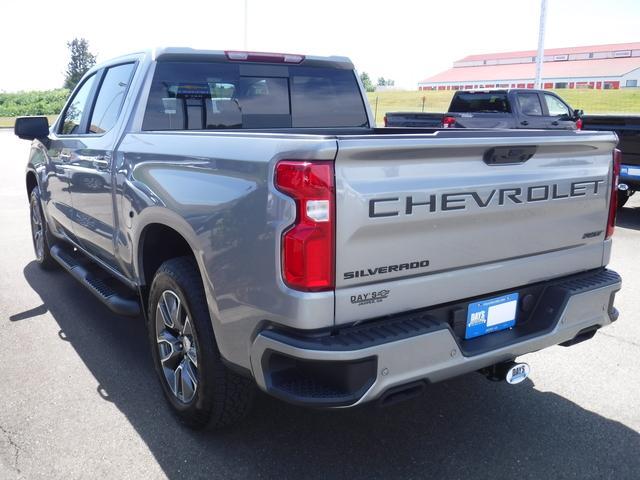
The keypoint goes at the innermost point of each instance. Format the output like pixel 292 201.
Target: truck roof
pixel 193 54
pixel 503 90
pixel 164 53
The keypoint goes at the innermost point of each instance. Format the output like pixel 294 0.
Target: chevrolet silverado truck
pixel 514 108
pixel 247 208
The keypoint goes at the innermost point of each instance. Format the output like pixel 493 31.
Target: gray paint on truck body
pixel 478 249
pixel 216 189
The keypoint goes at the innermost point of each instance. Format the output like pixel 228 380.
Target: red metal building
pixel 596 66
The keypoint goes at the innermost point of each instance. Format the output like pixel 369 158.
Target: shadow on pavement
pixel 34 312
pixel 629 217
pixel 465 428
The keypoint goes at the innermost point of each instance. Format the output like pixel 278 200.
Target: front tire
pixel 40 232
pixel 201 391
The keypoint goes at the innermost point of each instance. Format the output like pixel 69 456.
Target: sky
pixel 404 40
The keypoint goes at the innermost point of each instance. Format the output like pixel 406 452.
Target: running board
pixel 96 281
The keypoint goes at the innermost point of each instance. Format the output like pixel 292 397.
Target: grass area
pixel 9 121
pixel 591 101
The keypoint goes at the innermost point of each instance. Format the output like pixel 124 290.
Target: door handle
pixel 524 122
pixel 101 162
pixel 555 122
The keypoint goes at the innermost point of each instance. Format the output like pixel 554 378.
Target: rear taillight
pixel 308 245
pixel 386 122
pixel 579 124
pixel 448 122
pixel 613 205
pixel 264 57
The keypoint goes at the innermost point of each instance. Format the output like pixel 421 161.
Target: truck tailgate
pixel 424 219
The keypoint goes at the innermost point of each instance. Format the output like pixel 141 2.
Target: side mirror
pixel 578 114
pixel 30 128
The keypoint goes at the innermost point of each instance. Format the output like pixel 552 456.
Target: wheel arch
pixel 161 235
pixel 160 241
pixel 31 181
pixel 157 243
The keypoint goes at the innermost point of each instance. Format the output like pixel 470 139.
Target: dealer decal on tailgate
pixel 370 297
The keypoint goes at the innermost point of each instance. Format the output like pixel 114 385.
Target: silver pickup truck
pixel 248 208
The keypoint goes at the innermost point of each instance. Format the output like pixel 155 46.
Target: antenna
pixel 246 25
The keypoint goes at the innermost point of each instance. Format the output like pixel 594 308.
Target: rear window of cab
pixel 480 102
pixel 214 96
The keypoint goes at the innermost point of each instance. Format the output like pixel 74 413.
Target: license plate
pixel 492 315
pixel 631 171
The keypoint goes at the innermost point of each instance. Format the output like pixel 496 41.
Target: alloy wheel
pixel 37 231
pixel 177 347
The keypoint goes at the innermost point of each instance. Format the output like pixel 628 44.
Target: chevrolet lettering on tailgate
pixel 384 207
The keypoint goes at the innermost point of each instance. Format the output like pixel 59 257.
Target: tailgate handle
pixel 509 155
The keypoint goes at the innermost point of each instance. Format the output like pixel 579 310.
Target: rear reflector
pixel 308 245
pixel 448 122
pixel 613 205
pixel 264 57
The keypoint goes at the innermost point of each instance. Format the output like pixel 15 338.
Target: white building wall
pixel 480 84
pixel 633 75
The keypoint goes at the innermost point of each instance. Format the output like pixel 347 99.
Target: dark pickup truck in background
pixel 537 109
pixel 627 127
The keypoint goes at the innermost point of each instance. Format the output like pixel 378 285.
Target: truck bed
pixel 627 127
pixel 478 237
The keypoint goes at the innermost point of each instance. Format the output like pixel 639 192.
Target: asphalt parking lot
pixel 79 399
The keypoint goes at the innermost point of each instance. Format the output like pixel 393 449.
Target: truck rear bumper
pixel 357 364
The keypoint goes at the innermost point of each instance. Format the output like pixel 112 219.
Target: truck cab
pixel 516 108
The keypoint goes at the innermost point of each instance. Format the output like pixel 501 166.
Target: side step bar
pixel 96 283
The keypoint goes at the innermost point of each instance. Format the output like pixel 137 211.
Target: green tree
pixel 81 60
pixel 366 82
pixel 385 82
pixel 47 102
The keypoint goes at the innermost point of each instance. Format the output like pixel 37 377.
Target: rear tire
pixel 40 232
pixel 200 389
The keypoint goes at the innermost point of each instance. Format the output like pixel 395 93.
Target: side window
pixel 529 104
pixel 110 98
pixel 555 106
pixel 73 114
